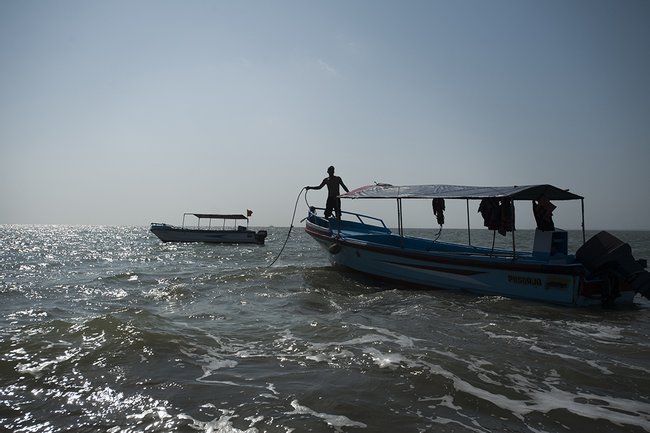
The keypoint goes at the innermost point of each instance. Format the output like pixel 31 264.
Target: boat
pixel 601 272
pixel 236 235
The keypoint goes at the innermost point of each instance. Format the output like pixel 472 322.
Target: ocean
pixel 106 329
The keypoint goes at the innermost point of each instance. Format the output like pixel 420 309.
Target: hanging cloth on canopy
pixel 543 212
pixel 438 205
pixel 497 215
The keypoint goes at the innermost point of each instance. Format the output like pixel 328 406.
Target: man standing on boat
pixel 333 191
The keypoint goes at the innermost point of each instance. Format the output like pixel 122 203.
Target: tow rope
pixel 291 226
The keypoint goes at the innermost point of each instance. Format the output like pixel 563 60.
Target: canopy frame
pixel 463 192
pixel 211 216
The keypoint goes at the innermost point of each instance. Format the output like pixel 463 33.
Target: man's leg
pixel 329 206
pixel 338 208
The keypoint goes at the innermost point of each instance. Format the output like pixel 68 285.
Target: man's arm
pixel 322 184
pixel 343 185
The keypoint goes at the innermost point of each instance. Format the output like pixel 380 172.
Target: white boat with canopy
pixel 210 234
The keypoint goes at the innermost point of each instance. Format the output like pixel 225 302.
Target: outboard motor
pixel 607 256
pixel 260 236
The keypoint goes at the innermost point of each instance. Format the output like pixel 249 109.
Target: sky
pixel 132 112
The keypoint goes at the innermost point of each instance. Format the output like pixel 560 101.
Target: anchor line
pixel 290 227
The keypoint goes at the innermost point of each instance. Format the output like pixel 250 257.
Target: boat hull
pixel 381 255
pixel 169 233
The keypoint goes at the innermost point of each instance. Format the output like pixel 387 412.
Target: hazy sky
pixel 130 112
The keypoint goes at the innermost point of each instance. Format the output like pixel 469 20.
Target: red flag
pixel 249 212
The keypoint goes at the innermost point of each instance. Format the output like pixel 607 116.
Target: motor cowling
pixel 608 257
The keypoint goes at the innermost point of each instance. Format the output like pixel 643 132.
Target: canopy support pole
pixel 400 225
pixel 469 236
pixel 512 218
pixel 582 203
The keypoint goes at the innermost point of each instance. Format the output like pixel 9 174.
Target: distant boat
pixel 209 234
pixel 602 272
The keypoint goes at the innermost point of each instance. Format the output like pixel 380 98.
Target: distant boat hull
pixel 170 233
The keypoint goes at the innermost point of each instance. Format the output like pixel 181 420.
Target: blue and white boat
pixel 601 272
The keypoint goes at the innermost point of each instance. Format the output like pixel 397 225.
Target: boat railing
pixel 359 217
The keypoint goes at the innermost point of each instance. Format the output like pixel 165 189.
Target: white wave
pixel 400 339
pixel 333 420
pixel 517 338
pixel 37 369
pixel 618 411
pixel 594 364
pixel 447 421
pixel 214 364
pixel 387 360
pixel 220 425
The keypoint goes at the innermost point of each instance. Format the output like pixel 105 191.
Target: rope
pixel 436 238
pixel 290 227
pixel 438 234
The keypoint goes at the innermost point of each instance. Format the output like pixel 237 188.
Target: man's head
pixel 330 170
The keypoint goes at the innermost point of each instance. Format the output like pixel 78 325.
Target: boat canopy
pixel 525 192
pixel 219 216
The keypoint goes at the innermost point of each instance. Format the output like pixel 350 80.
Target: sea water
pixel 106 329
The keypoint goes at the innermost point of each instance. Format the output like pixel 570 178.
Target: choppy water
pixel 107 329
